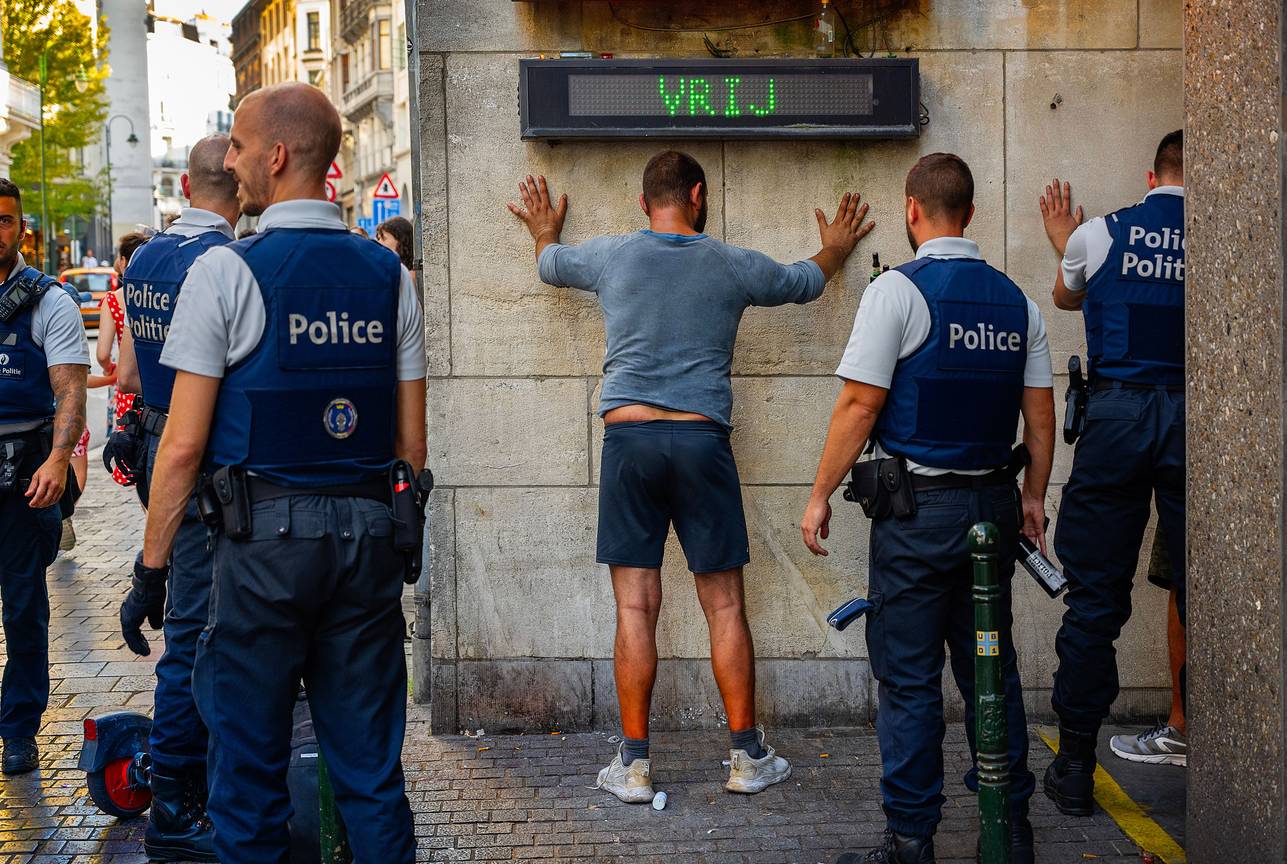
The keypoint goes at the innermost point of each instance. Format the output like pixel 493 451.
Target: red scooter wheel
pixel 114 791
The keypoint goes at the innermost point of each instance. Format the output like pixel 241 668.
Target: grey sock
pixel 632 749
pixel 748 740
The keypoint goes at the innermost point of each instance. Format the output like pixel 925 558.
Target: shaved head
pixel 207 181
pixel 283 140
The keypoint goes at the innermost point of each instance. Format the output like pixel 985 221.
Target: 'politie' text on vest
pixel 1157 265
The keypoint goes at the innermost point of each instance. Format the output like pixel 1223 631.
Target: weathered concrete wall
pixel 1234 111
pixel 519 629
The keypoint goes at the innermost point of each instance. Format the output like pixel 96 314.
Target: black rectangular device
pixel 719 98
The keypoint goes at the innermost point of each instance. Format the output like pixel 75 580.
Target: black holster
pixel 228 487
pixel 409 498
pixel 883 488
pixel 1076 398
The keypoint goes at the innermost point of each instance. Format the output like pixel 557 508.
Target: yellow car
pixel 92 284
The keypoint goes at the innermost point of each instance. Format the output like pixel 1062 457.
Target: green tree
pixel 76 58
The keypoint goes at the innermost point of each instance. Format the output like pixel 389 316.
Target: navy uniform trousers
pixel 921 586
pixel 1132 451
pixel 178 738
pixel 28 545
pixel 313 594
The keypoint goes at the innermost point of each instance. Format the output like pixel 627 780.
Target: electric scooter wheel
pixel 113 792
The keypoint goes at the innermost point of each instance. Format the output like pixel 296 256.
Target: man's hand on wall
pixel 543 219
pixel 1058 215
pixel 844 232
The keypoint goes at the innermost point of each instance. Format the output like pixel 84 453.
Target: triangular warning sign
pixel 334 173
pixel 385 188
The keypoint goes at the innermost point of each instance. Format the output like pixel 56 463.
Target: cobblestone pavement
pixel 498 797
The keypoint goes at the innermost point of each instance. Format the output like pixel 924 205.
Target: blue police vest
pixel 25 392
pixel 152 283
pixel 314 403
pixel 1134 303
pixel 954 403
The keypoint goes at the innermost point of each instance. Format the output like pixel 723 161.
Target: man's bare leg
pixel 638 593
pixel 732 650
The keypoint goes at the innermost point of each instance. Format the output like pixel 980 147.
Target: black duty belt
pixel 1111 384
pixel 260 489
pixel 1000 477
pixel 153 420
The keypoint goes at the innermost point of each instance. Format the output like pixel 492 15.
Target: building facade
pixel 19 111
pixel 246 61
pixel 516 621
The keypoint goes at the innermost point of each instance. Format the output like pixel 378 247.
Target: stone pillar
pixel 1234 167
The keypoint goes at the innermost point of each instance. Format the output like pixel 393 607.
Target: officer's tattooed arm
pixel 852 420
pixel 68 383
pixel 178 459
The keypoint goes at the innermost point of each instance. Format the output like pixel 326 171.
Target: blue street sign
pixel 383 208
pixel 367 224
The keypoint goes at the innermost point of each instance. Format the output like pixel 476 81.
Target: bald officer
pixel 299 358
pixel 44 359
pixel 177 829
pixel 1125 272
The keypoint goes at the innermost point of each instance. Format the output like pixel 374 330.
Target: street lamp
pixel 133 141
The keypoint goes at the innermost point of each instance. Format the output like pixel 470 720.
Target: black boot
pixel 896 849
pixel 177 827
pixel 20 755
pixel 1070 779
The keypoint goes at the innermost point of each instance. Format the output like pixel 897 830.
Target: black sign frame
pixel 544 113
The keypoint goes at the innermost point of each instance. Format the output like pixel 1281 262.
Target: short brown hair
pixel 943 185
pixel 130 243
pixel 1169 161
pixel 669 177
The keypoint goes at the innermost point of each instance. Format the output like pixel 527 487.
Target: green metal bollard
pixel 989 701
pixel 334 839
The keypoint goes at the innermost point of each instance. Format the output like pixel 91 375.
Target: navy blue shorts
pixel 663 471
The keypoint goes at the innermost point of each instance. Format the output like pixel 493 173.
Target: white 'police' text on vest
pixel 334 329
pixel 986 337
pixel 1154 265
pixel 144 297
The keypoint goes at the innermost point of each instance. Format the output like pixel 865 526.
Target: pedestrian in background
pixel 672 300
pixel 396 233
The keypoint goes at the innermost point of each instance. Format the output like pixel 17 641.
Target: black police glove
pixel 146 600
pixel 124 448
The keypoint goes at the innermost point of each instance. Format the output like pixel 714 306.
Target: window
pixel 344 71
pixel 314 31
pixel 315 77
pixel 400 50
pixel 385 55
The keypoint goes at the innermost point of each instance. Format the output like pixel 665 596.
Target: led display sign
pixel 560 99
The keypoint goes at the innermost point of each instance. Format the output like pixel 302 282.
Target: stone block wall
pixel 516 620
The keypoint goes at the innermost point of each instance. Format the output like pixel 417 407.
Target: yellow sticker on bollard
pixel 988 643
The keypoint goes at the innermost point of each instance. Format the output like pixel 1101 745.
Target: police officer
pixel 1126 273
pixel 177 829
pixel 299 358
pixel 44 360
pixel 945 356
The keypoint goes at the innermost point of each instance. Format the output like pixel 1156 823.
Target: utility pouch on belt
pixel 1075 399
pixel 409 497
pixel 230 491
pixel 10 464
pixel 209 510
pixel 883 488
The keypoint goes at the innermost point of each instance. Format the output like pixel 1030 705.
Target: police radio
pixel 24 291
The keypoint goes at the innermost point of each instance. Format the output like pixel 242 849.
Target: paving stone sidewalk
pixel 498 797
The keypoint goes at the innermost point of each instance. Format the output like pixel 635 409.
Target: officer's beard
pixel 911 241
pixel 8 260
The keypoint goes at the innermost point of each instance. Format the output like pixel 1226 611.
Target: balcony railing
pixel 354 19
pixel 22 99
pixel 367 91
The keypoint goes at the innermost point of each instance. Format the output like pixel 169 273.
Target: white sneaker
pixel 631 783
pixel 1161 745
pixel 68 542
pixel 748 776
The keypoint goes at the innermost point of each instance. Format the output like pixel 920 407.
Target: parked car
pixel 92 284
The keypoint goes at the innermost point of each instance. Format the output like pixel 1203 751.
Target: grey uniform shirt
pixel 671 307
pixel 893 322
pixel 1089 244
pixel 57 328
pixel 193 222
pixel 219 317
